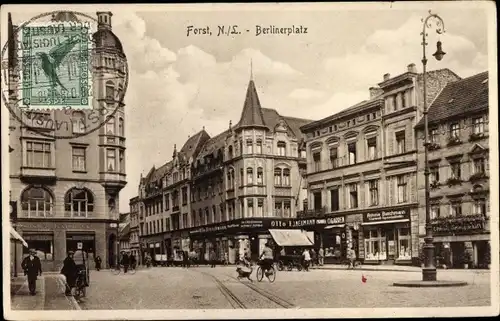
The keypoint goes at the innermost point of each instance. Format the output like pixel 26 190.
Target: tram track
pixel 228 294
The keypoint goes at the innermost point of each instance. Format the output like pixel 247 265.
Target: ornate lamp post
pixel 429 270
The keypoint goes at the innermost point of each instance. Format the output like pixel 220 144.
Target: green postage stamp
pixel 55 66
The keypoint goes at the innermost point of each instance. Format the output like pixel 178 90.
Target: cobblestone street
pixel 206 288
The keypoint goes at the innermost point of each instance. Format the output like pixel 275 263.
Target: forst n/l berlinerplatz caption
pixel 64 74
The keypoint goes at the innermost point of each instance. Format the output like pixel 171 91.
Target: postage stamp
pixel 55 69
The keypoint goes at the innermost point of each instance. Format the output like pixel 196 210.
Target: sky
pixel 180 84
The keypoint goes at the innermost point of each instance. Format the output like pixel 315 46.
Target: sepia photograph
pixel 294 160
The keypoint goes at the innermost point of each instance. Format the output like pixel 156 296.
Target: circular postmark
pixel 64 74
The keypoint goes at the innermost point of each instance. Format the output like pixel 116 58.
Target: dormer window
pixel 478 125
pixel 455 130
pixel 281 148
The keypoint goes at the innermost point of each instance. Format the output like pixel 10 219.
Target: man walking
pixel 125 262
pixel 32 267
pixel 321 255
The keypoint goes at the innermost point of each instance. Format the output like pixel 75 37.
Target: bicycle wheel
pixel 299 267
pixel 290 266
pixel 132 270
pixel 116 270
pixel 357 264
pixel 271 274
pixel 281 266
pixel 260 274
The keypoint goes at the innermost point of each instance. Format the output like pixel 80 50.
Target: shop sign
pixel 39 237
pixel 458 225
pixel 80 237
pixel 251 224
pixel 311 222
pixel 207 229
pixel 389 215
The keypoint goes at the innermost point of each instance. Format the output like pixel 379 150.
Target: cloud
pixel 307 93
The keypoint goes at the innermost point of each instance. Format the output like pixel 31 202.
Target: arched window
pixel 78 122
pixel 277 176
pixel 230 152
pixel 193 218
pixel 249 146
pixel 249 176
pixel 260 176
pixel 36 201
pixel 121 129
pixel 110 125
pixel 281 148
pixel 79 202
pixel 258 146
pixel 286 177
pixel 200 217
pixel 110 90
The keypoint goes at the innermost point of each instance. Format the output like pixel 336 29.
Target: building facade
pixel 361 169
pixel 223 192
pixel 134 228
pixel 459 173
pixel 66 191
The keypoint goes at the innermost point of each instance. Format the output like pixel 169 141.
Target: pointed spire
pixel 175 151
pixel 251 116
pixel 251 69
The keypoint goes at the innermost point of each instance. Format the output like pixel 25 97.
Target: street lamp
pixel 429 272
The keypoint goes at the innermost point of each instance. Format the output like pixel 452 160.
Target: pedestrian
pixel 313 258
pixel 351 256
pixel 226 258
pixel 213 258
pixel 133 261
pixel 125 261
pixel 32 268
pixel 69 270
pixel 321 256
pixel 98 262
pixel 307 259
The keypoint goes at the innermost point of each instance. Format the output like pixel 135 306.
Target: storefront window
pixel 43 245
pixel 404 244
pixel 375 245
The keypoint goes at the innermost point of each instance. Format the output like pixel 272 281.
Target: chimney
pixel 375 91
pixel 387 76
pixel 412 68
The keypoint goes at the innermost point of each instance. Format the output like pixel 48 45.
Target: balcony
pixel 476 136
pixel 175 208
pixel 453 141
pixel 434 185
pixel 433 146
pixel 254 190
pixel 38 173
pixel 285 191
pixel 478 177
pixel 312 213
pixel 467 224
pixel 452 181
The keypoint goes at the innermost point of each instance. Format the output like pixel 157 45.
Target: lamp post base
pixel 429 274
pixel 429 284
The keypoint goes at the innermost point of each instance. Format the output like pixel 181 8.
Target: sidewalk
pixel 388 268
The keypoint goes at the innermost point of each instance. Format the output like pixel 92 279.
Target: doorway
pixel 111 250
pixel 457 250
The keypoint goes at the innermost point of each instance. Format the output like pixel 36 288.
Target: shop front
pixel 462 242
pixel 387 236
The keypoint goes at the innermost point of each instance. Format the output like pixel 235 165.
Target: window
pixel 207 216
pixel 286 208
pixel 334 199
pixel 121 156
pixel 456 208
pixel 455 130
pixel 317 161
pixel 434 135
pixel 435 211
pixel 110 91
pixel 42 243
pixel 79 202
pixel 479 167
pixel 111 160
pixel 222 214
pixel 286 177
pixel 193 218
pixel 403 100
pixel 404 236
pixel 400 142
pixel 402 189
pixel 375 245
pixel 372 148
pixel 353 195
pixel 184 196
pixel 351 150
pixel 78 123
pixel 258 146
pixel 215 217
pixel 36 202
pixel 334 160
pixel 167 202
pixel 79 159
pixel 260 176
pixel 230 152
pixel 110 125
pixel 277 176
pixel 242 177
pixel 260 207
pixel 121 130
pixel 478 125
pixel 373 189
pixel 479 207
pixel 456 172
pixel 249 146
pixel 281 148
pixel 317 200
pixel 249 176
pixel 200 217
pixel 278 208
pixel 250 207
pixel 434 173
pixel 38 154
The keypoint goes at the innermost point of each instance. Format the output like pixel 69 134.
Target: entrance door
pixel 391 244
pixel 111 250
pixel 457 250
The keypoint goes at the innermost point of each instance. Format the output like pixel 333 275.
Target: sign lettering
pixel 386 215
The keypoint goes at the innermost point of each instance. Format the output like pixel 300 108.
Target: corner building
pixel 66 191
pixel 459 174
pixel 362 171
pixel 225 192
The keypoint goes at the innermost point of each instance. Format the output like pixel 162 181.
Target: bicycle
pixel 80 288
pixel 270 273
pixel 347 264
pixel 118 269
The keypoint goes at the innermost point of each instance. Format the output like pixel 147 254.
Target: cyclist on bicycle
pixel 351 256
pixel 267 258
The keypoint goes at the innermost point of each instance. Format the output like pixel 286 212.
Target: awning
pixel 334 225
pixel 387 222
pixel 291 238
pixel 16 236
